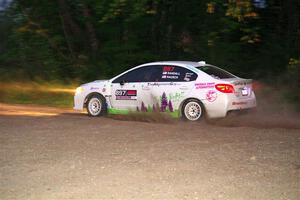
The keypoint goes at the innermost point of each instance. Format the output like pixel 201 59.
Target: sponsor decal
pixel 188 76
pixel 94 88
pixel 126 94
pixel 239 103
pixel 169 77
pixel 244 82
pixel 168 68
pixel 172 73
pixel 162 104
pixel 204 85
pixel 164 83
pixel 176 97
pixel 116 111
pixel 165 105
pixel 103 89
pixel 168 73
pixel 211 95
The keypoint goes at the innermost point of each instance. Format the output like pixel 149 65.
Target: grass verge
pixel 50 94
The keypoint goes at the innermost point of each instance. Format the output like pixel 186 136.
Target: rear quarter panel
pixel 213 101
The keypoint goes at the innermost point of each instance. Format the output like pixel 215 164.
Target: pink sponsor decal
pixel 204 85
pixel 211 95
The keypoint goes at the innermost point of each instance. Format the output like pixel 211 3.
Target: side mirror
pixel 122 82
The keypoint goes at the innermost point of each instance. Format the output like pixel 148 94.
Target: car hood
pixel 95 83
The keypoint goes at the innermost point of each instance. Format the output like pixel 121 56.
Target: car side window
pixel 171 73
pixel 142 74
pixel 216 72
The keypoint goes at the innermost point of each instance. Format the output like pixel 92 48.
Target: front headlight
pixel 79 90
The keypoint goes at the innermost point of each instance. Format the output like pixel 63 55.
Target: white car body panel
pixel 131 96
pixel 100 86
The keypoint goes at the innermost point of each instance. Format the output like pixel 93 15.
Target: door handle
pixel 183 88
pixel 145 87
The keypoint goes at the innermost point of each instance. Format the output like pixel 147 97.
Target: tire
pixel 192 110
pixel 96 105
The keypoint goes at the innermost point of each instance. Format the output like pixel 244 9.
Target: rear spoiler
pixel 242 82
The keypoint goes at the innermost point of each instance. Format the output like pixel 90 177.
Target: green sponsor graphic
pixel 174 114
pixel 165 105
pixel 174 97
pixel 177 96
pixel 115 111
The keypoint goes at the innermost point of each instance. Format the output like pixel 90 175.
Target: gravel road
pixel 48 153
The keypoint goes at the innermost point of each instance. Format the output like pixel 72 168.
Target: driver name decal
pixel 126 94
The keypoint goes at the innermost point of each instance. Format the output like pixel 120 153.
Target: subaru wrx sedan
pixel 190 90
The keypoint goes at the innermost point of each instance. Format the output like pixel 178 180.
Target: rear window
pixel 216 72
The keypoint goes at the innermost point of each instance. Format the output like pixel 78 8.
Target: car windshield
pixel 216 72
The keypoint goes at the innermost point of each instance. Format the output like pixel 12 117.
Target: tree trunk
pixel 69 26
pixel 90 29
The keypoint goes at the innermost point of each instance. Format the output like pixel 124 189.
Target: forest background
pixel 75 41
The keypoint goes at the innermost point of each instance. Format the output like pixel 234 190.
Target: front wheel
pixel 192 110
pixel 96 105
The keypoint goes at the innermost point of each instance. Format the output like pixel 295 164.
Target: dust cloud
pixel 272 111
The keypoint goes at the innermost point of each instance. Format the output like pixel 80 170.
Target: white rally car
pixel 181 89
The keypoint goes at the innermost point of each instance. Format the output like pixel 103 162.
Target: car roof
pixel 192 65
pixel 181 63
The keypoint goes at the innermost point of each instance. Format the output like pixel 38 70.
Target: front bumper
pixel 78 102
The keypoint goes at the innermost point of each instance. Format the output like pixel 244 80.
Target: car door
pixel 171 86
pixel 128 89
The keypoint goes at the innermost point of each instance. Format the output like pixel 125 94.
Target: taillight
pixel 225 88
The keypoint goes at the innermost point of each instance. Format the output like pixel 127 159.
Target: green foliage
pixel 83 40
pixel 88 40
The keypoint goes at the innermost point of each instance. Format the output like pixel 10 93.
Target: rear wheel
pixel 96 105
pixel 192 110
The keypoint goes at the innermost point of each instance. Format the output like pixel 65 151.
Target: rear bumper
pixel 240 104
pixel 226 103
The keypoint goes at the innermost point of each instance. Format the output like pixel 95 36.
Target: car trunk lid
pixel 242 87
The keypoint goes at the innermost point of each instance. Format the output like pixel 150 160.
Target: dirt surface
pixel 48 153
